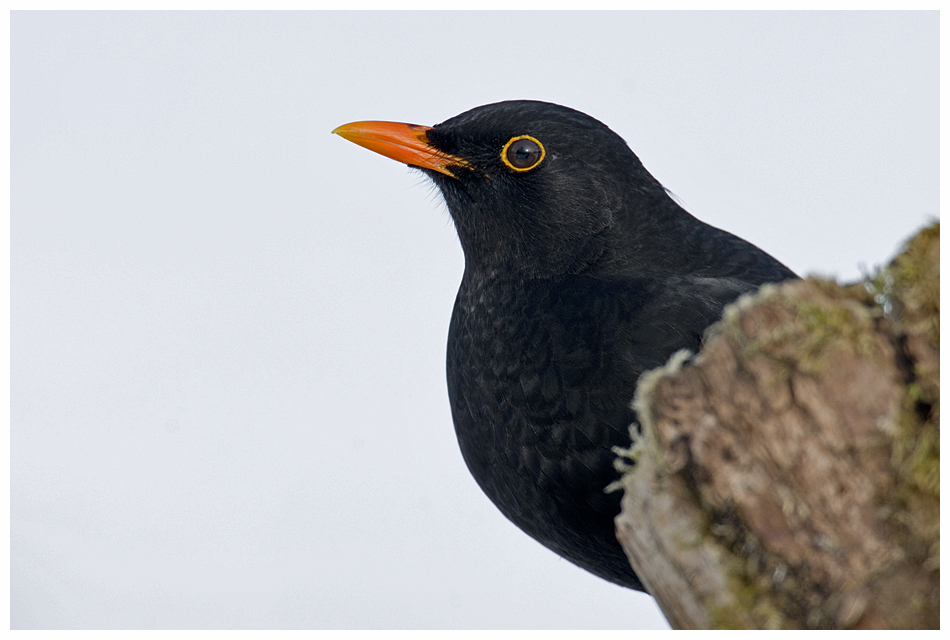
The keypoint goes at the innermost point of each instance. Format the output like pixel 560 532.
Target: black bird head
pixel 536 190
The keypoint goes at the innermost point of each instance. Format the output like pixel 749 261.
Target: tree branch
pixel 788 476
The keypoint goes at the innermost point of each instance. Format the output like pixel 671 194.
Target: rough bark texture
pixel 788 476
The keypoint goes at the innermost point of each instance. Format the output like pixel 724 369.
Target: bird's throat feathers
pixel 532 231
pixel 526 234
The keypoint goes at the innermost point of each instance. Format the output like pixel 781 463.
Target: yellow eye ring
pixel 523 157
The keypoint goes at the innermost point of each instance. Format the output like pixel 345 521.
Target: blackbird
pixel 581 272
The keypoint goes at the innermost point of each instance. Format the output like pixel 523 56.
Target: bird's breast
pixel 539 383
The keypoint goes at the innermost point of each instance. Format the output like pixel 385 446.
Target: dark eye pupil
pixel 524 153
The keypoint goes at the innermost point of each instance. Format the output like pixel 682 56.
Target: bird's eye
pixel 522 153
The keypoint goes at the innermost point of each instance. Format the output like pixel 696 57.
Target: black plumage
pixel 581 273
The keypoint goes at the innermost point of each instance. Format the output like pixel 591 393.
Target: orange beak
pixel 403 142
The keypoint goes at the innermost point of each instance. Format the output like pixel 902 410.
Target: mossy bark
pixel 788 475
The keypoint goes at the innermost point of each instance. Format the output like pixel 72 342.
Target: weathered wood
pixel 788 476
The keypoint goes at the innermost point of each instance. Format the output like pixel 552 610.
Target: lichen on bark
pixel 788 475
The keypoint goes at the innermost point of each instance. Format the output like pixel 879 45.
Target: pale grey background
pixel 228 326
